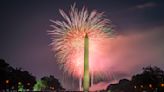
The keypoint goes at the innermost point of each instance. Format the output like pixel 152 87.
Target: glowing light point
pixel 7 81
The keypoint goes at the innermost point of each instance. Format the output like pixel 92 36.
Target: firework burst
pixel 68 40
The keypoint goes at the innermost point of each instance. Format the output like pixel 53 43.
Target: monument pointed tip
pixel 86 35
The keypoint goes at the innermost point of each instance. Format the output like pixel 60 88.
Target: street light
pixel 7 81
pixel 7 86
pixel 162 84
pixel 12 87
pixel 19 83
pixel 150 85
pixel 28 84
pixel 141 86
pixel 53 88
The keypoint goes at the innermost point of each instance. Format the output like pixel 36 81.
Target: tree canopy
pixel 20 80
pixel 150 80
pixel 11 78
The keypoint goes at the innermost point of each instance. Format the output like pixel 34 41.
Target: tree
pixel 10 77
pixel 39 86
pixel 52 83
pixel 150 79
pixel 24 77
pixel 5 71
pixel 124 85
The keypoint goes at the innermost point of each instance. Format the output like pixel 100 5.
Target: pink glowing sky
pixel 129 52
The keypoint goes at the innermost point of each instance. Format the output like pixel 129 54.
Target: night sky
pixel 24 42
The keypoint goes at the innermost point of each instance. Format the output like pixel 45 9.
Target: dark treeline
pixel 19 80
pixel 150 80
pixel 10 78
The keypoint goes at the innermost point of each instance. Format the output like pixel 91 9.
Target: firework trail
pixel 68 41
